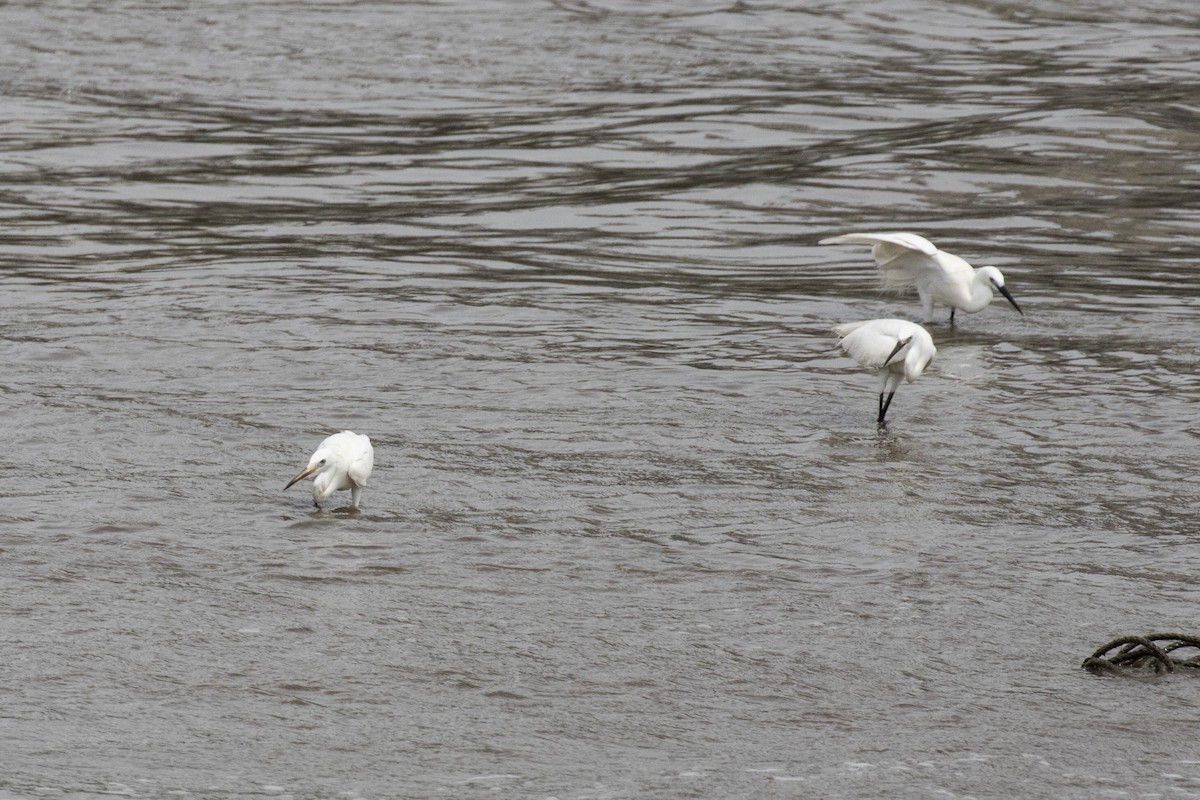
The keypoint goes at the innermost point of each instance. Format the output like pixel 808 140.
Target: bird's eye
pixel 322 461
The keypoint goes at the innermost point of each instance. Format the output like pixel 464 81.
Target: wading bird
pixel 894 348
pixel 905 259
pixel 342 461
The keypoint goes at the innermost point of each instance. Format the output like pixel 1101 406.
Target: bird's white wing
pixel 357 454
pixel 845 330
pixel 871 342
pixel 887 246
pixel 360 468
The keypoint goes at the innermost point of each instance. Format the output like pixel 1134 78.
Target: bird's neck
pixel 981 294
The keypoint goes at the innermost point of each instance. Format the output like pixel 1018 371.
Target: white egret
pixel 894 348
pixel 905 259
pixel 342 461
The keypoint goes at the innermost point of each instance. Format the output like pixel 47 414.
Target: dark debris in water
pixel 1154 653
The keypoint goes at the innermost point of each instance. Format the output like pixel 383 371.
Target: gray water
pixel 632 531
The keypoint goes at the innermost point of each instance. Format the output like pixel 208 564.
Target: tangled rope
pixel 1156 652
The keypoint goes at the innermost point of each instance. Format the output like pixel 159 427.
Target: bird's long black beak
pixel 1004 291
pixel 900 345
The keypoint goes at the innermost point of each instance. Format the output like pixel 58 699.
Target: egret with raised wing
pixel 941 278
pixel 343 461
pixel 894 348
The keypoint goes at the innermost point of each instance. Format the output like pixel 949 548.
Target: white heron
pixel 905 259
pixel 894 348
pixel 342 461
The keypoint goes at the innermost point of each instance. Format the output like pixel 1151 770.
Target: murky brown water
pixel 632 532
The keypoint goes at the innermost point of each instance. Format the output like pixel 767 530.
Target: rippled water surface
pixel 632 531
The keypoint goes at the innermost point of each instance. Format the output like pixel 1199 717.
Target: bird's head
pixel 918 361
pixel 320 461
pixel 918 353
pixel 995 280
pixel 900 345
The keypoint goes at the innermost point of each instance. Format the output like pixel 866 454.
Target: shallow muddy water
pixel 632 531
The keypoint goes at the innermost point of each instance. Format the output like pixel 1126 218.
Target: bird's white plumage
pixel 342 461
pixel 889 245
pixel 940 278
pixel 896 349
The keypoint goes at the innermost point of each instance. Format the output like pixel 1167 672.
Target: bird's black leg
pixel 952 310
pixel 883 406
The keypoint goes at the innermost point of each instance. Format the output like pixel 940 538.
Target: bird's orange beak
pixel 301 475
